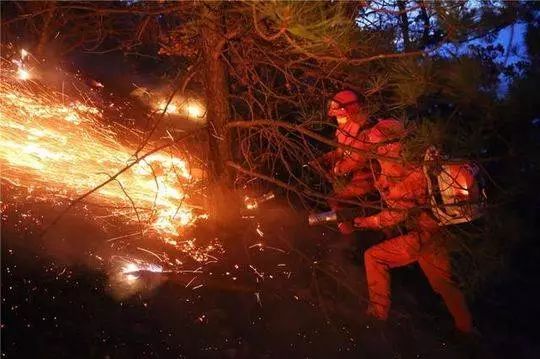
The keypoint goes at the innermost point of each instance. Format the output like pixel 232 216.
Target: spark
pixel 150 252
pixel 262 246
pixel 97 84
pixel 258 296
pixel 191 281
pixel 59 148
pixel 256 272
pixel 64 147
pixel 259 231
pixel 125 236
pixel 23 74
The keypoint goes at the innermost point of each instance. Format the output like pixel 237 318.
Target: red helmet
pixel 344 103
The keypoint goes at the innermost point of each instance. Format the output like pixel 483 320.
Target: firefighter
pixel 403 188
pixel 353 128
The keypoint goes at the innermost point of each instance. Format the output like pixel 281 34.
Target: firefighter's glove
pixel 367 222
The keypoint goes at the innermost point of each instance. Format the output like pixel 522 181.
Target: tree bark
pixel 213 33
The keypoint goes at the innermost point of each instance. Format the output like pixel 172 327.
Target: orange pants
pixel 434 260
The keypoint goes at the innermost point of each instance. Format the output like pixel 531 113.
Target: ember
pixel 22 72
pixel 131 270
pixel 58 148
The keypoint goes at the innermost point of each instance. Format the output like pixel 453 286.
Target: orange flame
pixel 62 149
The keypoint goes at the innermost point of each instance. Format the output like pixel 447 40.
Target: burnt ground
pixel 303 297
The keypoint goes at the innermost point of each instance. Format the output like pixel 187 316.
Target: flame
pixel 23 74
pixel 131 269
pixel 190 108
pixel 62 149
pixel 170 109
pixel 194 110
pixel 250 203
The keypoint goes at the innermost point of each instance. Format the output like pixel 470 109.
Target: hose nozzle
pixel 323 217
pixel 253 203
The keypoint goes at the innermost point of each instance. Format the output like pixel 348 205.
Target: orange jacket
pixel 401 195
pixel 402 186
pixel 365 143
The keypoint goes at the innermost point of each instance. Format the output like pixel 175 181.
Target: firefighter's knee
pixel 440 284
pixel 370 256
pixel 437 286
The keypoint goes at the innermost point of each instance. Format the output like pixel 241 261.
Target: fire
pixel 60 148
pixel 23 74
pixel 131 270
pixel 194 110
pixel 169 109
pixel 190 108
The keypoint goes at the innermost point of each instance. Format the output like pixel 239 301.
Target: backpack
pixel 456 189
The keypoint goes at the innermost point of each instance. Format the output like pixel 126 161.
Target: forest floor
pixel 284 291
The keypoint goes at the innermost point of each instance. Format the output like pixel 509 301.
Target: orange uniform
pixel 404 191
pixel 352 120
pixel 347 162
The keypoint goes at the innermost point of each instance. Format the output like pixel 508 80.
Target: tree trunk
pixel 425 18
pixel 404 24
pixel 221 197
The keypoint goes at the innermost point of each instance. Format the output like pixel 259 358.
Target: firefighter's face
pixel 338 111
